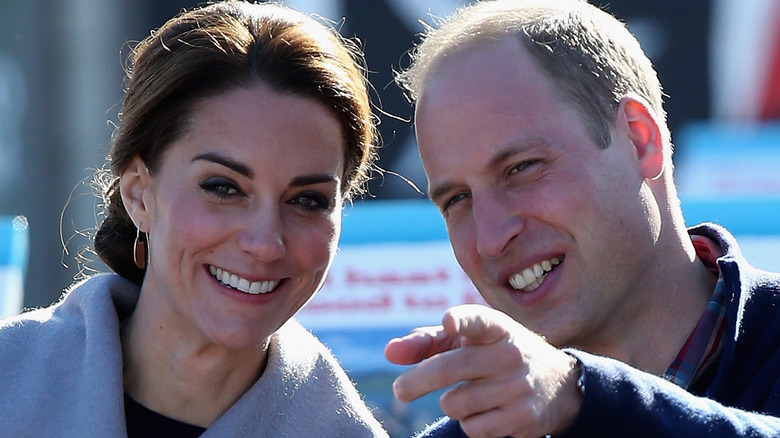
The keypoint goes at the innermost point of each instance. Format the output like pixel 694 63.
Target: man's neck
pixel 674 307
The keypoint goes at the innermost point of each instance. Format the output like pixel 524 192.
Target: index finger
pixel 421 343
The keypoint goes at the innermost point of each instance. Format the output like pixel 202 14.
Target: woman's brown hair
pixel 206 52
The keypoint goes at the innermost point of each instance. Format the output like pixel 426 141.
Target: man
pixel 541 129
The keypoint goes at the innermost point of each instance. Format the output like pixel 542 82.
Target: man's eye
pixel 456 199
pixel 523 166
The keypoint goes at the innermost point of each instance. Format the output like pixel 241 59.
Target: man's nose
pixel 497 223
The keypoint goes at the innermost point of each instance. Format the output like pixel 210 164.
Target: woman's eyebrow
pixel 314 179
pixel 227 162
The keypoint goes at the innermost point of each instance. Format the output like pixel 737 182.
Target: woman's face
pixel 243 215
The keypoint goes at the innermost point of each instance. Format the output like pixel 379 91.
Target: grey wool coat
pixel 61 375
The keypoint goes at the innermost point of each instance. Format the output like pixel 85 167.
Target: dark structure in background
pixel 675 36
pixel 60 87
pixel 60 79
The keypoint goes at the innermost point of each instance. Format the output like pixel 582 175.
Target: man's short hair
pixel 590 55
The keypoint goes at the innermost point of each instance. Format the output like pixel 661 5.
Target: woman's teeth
pixel 531 278
pixel 242 284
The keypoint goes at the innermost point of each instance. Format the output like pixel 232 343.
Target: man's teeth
pixel 532 277
pixel 242 284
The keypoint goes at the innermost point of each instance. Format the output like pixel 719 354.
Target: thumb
pixel 477 324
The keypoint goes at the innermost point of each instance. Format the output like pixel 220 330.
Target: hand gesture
pixel 510 381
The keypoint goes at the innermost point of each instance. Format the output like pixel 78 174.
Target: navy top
pixel 146 423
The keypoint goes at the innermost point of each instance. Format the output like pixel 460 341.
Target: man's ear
pixel 133 183
pixel 644 134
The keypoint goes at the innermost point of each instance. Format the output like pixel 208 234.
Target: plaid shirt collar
pixel 705 342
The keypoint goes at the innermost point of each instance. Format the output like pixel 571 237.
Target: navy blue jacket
pixel 738 397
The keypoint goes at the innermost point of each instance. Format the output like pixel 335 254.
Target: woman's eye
pixel 221 187
pixel 312 201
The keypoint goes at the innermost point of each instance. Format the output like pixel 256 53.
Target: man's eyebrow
pixel 227 162
pixel 436 193
pixel 505 153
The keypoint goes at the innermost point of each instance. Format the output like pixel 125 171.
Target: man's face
pixel 553 230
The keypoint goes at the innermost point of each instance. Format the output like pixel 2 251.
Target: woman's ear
pixel 644 134
pixel 133 184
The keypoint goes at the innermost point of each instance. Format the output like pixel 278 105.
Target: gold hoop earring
pixel 140 249
pixel 660 172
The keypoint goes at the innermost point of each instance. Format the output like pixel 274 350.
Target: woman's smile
pixel 242 284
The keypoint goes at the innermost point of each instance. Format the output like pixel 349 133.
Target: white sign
pixel 389 284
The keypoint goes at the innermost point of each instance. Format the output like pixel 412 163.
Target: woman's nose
pixel 262 235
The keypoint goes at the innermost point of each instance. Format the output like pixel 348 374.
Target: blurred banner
pixel 14 242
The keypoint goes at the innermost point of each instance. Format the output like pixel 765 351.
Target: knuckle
pixel 452 403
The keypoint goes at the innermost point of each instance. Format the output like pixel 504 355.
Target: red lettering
pixel 379 302
pixel 426 302
pixel 355 277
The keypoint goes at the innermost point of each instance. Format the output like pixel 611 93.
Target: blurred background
pixel 61 83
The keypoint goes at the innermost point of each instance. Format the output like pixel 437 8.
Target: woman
pixel 243 129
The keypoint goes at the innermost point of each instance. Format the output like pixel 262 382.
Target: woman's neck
pixel 174 371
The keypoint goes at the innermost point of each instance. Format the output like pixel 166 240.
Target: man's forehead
pixel 456 59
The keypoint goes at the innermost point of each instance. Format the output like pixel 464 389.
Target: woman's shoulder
pixel 89 300
pixel 313 367
pixel 293 343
